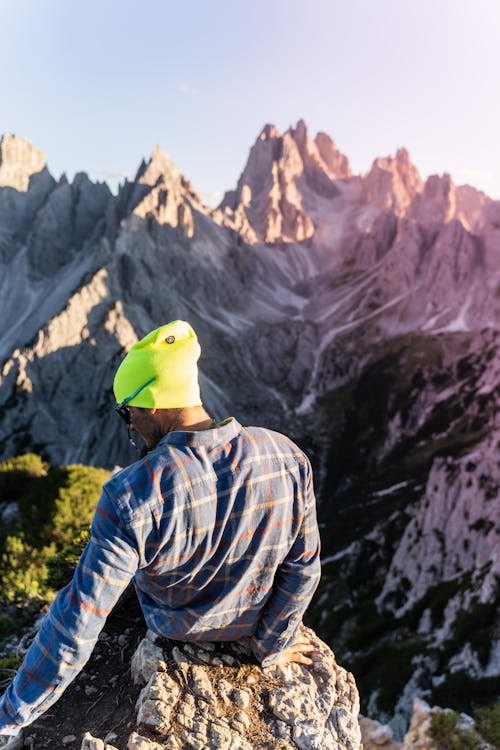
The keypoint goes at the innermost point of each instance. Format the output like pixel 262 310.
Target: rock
pixel 145 661
pixel 19 161
pixel 155 703
pixel 68 739
pixel 12 743
pixel 376 736
pixel 138 742
pixel 91 743
pixel 200 683
pixel 268 203
pixel 316 707
pixel 393 182
pixel 241 698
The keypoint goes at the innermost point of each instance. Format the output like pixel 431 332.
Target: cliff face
pixel 356 313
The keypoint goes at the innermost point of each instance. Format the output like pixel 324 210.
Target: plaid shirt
pixel 217 529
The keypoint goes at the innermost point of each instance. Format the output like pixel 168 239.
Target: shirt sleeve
pixel 71 626
pixel 294 584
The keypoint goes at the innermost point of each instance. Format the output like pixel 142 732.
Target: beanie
pixel 164 362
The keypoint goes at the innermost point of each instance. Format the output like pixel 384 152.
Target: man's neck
pixel 189 419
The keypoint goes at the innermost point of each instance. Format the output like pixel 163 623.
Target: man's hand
pixel 297 652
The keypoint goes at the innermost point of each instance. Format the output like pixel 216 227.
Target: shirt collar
pixel 221 433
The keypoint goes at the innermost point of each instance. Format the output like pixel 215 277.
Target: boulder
pixel 213 696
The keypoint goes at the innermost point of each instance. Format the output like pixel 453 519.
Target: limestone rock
pixel 161 193
pixel 377 736
pixel 19 161
pixel 281 173
pixel 393 182
pixel 138 742
pixel 202 702
pixel 145 661
pixel 436 202
pixel 91 743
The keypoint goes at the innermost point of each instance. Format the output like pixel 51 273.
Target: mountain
pixel 357 313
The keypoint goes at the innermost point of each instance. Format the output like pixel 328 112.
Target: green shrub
pixel 60 567
pixel 22 570
pixel 76 501
pixel 40 547
pixel 488 724
pixel 446 733
pixel 17 474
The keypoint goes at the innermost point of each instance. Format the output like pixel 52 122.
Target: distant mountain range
pixel 357 313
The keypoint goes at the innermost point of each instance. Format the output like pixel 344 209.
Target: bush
pixel 17 474
pixel 60 567
pixel 447 734
pixel 40 546
pixel 488 724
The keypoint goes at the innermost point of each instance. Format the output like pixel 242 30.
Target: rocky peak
pixel 393 182
pixel 335 162
pixel 269 132
pixel 320 155
pixel 437 202
pixel 19 160
pixel 283 174
pixel 161 192
pixel 299 133
pixel 159 168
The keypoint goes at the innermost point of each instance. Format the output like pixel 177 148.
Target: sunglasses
pixel 123 410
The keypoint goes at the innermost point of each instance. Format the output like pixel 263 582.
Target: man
pixel 216 525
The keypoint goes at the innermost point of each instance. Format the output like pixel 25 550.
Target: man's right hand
pixel 296 652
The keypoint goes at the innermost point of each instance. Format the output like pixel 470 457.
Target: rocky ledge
pixel 207 696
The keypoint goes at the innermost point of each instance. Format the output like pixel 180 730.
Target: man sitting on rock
pixel 216 525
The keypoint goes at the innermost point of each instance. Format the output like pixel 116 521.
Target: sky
pixel 98 84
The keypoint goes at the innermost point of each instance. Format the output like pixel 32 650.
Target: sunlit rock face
pixel 393 183
pixel 161 193
pixel 358 314
pixel 282 176
pixel 19 161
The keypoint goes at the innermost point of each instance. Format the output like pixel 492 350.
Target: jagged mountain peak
pixel 437 201
pixel 282 174
pixel 268 132
pixel 393 181
pixel 159 167
pixel 19 160
pixel 160 191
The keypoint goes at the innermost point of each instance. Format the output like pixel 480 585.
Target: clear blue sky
pixel 97 84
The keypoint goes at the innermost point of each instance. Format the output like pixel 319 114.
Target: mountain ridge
pixel 356 313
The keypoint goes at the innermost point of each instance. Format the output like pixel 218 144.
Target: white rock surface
pixel 198 702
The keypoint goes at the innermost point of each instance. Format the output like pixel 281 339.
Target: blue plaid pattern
pixel 217 529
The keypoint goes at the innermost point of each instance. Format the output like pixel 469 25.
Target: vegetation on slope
pixel 46 512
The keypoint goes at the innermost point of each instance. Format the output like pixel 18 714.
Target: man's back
pixel 219 519
pixel 217 528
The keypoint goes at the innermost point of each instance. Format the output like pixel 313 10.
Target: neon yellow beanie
pixel 167 357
